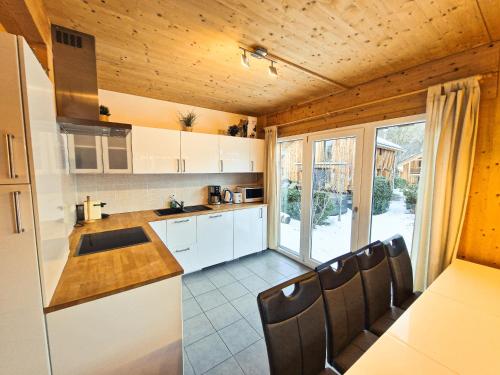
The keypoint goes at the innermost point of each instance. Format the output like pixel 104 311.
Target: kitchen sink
pixel 113 239
pixel 178 210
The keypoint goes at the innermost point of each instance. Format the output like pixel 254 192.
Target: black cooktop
pixel 113 239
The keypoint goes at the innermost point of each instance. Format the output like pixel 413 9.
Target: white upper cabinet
pixel 85 154
pixel 234 154
pixel 116 154
pixel 156 150
pixel 13 162
pixel 200 153
pixel 95 154
pixel 257 155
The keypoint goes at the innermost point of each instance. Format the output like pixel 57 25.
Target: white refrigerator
pixel 23 339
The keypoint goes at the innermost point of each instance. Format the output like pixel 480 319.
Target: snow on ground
pixel 330 241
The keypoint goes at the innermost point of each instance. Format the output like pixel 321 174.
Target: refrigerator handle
pixel 17 208
pixel 10 156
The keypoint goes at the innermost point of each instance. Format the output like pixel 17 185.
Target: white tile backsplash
pixel 125 193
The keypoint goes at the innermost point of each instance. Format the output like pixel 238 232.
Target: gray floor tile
pixel 201 286
pixel 207 353
pixel 194 277
pixel 253 360
pixel 254 282
pixel 246 305
pixel 271 276
pixel 228 367
pixel 238 336
pixel 210 300
pixel 223 316
pixel 254 320
pixel 221 278
pixel 186 294
pixel 238 271
pixel 188 369
pixel 190 308
pixel 196 328
pixel 233 290
pixel 286 269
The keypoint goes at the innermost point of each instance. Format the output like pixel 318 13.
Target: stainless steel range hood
pixel 75 75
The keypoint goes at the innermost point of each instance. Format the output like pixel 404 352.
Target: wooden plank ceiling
pixel 187 51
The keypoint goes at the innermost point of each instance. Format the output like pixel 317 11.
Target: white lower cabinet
pixel 202 241
pixel 249 231
pixel 182 243
pixel 215 238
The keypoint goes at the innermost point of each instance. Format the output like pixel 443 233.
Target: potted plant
pixel 187 120
pixel 233 130
pixel 104 113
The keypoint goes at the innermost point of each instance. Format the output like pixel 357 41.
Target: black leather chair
pixel 345 312
pixel 376 276
pixel 294 327
pixel 401 271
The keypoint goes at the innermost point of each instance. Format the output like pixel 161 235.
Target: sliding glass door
pixel 343 188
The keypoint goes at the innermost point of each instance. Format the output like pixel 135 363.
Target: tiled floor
pixel 222 328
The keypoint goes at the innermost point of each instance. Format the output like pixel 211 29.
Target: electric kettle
pixel 227 196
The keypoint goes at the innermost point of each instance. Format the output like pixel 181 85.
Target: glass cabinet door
pixel 117 155
pixel 85 153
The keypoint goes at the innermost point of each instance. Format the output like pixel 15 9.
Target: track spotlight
pixel 244 60
pixel 272 70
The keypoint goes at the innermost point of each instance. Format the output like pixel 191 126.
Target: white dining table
pixel 452 328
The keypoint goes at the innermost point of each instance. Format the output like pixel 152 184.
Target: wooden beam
pixel 29 19
pixel 480 60
pixel 490 12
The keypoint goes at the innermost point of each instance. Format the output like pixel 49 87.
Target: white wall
pixel 138 110
pixel 125 193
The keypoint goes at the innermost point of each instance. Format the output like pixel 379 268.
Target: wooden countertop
pixel 89 277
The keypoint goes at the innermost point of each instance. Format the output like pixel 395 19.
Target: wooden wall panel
pixel 481 233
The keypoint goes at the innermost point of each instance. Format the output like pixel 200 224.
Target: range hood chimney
pixel 75 76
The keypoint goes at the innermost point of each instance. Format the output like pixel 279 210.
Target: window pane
pixel 333 174
pixel 398 160
pixel 290 194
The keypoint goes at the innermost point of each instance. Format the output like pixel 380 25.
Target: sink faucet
pixel 180 205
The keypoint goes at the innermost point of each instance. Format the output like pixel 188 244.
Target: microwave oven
pixel 251 193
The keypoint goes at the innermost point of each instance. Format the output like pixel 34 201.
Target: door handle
pixel 184 164
pixel 10 156
pixel 252 165
pixel 17 209
pixel 260 213
pixel 214 216
pixel 222 165
pixel 181 221
pixel 182 250
pixel 178 165
pixel 354 211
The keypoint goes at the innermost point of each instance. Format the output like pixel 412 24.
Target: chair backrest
pixel 376 277
pixel 344 303
pixel 294 327
pixel 401 270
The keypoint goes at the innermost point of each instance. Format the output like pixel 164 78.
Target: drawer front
pixel 187 256
pixel 181 232
pixel 215 238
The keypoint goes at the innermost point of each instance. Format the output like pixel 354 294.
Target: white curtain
pixel 271 186
pixel 448 157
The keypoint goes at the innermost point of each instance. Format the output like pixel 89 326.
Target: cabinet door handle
pixel 181 221
pixel 17 209
pixel 222 165
pixel 10 156
pixel 184 164
pixel 178 165
pixel 182 250
pixel 260 213
pixel 252 165
pixel 214 216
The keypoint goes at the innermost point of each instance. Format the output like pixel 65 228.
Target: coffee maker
pixel 214 196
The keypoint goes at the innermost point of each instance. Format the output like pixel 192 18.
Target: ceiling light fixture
pixel 273 72
pixel 261 54
pixel 245 61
